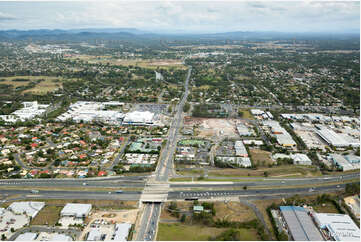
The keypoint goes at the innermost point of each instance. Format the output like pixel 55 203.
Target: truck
pixel 119 191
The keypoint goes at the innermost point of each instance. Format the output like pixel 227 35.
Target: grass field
pixel 246 114
pixel 182 232
pixel 325 208
pixel 48 85
pixel 278 171
pixel 260 157
pixel 44 87
pixel 233 211
pixel 49 215
pixel 153 63
pixel 97 204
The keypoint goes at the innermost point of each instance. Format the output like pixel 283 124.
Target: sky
pixel 184 16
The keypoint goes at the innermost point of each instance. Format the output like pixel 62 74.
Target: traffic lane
pixel 72 184
pixel 96 195
pixel 152 227
pixel 143 225
pixel 225 193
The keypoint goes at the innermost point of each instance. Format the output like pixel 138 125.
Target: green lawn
pixel 182 232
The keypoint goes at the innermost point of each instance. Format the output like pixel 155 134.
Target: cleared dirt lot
pixel 260 157
pixel 213 127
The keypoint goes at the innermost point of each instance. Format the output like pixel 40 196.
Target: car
pixel 109 192
pixel 84 183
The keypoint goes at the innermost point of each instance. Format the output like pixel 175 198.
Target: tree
pixel 183 218
pixel 186 107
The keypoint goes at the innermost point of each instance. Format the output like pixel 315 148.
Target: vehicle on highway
pixel 34 191
pixel 84 183
pixel 119 191
pixel 191 199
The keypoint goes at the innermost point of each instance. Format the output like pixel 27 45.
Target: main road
pixel 149 220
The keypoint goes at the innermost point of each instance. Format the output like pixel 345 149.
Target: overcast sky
pixel 184 16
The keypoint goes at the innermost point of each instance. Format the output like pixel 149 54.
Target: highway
pixel 172 195
pixel 137 182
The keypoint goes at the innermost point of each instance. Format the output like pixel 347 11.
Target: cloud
pixel 189 16
pixel 5 17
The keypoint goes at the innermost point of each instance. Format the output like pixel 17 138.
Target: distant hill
pixel 132 33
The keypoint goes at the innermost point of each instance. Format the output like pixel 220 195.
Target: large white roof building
pixel 137 117
pixel 77 210
pixel 339 226
pixel 30 208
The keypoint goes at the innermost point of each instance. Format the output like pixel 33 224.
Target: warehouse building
pixel 243 130
pixel 300 225
pixel 26 237
pixel 121 232
pixel 339 227
pixel 240 149
pixel 31 209
pixel 342 163
pixel 76 210
pixel 331 137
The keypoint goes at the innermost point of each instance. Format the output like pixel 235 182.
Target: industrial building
pixel 26 237
pixel 240 149
pixel 343 163
pixel 339 227
pixel 282 136
pixel 95 235
pixel 31 209
pixel 298 158
pixel 121 231
pixel 139 118
pixel 300 225
pixel 243 130
pixel 76 210
pixel 333 138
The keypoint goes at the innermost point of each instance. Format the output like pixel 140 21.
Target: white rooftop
pixel 26 237
pixel 340 226
pixel 30 208
pixel 76 209
pixel 121 231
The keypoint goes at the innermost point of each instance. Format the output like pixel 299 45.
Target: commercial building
pixel 121 231
pixel 26 237
pixel 300 225
pixel 240 161
pixel 31 209
pixel 28 112
pixel 87 112
pixel 240 149
pixel 339 227
pixel 342 163
pixel 139 118
pixel 76 210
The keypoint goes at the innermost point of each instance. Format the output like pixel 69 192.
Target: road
pixel 139 182
pixel 256 193
pixel 149 220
